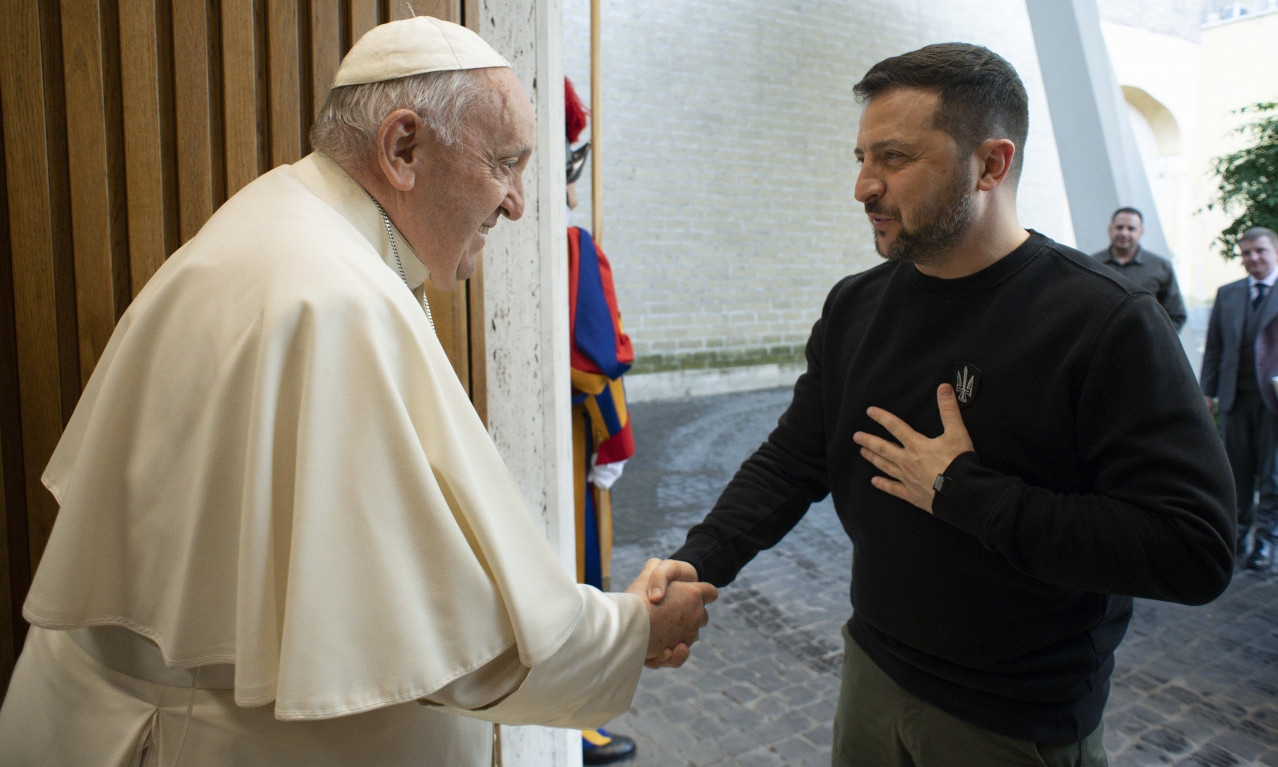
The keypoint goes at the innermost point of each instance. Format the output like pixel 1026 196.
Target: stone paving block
pixel 1245 629
pixel 1196 731
pixel 1267 642
pixel 1145 714
pixel 799 694
pixel 1180 693
pixel 797 721
pixel 1170 700
pixel 1220 710
pixel 1211 756
pixel 1232 669
pixel 702 751
pixel 742 694
pixel 773 730
pixel 679 687
pixel 799 750
pixel 708 726
pixel 1252 729
pixel 1126 724
pixel 1193 654
pixel 1165 740
pixel 823 734
pixel 1161 666
pixel 737 741
pixel 1142 681
pixel 1267 718
pixel 1240 744
pixel 1115 741
pixel 681 710
pixel 710 682
pixel 761 757
pixel 1140 755
pixel 1259 655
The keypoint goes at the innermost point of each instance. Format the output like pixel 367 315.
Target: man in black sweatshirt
pixel 1012 436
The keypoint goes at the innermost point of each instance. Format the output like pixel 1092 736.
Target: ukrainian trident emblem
pixel 967 379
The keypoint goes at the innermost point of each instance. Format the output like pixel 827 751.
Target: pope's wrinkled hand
pixel 676 617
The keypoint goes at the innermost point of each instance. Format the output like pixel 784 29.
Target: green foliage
pixel 1248 178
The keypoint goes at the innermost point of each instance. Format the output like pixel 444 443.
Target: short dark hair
pixel 981 96
pixel 1256 232
pixel 1127 209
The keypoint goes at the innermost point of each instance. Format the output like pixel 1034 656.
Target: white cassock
pixel 283 525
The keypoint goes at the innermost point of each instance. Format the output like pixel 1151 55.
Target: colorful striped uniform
pixel 601 353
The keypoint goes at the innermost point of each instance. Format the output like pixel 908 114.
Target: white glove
pixel 604 475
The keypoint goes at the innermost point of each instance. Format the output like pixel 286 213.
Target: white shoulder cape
pixel 274 466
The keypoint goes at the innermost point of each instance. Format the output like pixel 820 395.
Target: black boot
pixel 602 747
pixel 1262 554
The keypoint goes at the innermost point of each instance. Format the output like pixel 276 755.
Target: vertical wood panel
pixel 113 105
pixel 478 349
pixel 326 48
pixel 15 568
pixel 363 17
pixel 239 93
pixel 31 216
pixel 61 248
pixel 449 311
pixel 475 340
pixel 82 61
pixel 7 595
pixel 143 140
pixel 282 53
pixel 448 10
pixel 194 131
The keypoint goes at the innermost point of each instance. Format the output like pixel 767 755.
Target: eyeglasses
pixel 577 161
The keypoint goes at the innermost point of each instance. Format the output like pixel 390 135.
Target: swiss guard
pixel 601 437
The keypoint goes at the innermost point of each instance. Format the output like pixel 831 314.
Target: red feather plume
pixel 574 112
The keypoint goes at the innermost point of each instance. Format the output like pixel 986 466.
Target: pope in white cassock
pixel 284 535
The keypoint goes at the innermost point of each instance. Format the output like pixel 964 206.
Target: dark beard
pixel 944 219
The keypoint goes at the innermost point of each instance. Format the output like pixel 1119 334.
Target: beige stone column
pixel 526 321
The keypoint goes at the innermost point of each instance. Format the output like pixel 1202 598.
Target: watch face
pixel 939 484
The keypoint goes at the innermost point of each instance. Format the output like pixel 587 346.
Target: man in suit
pixel 1149 270
pixel 1240 361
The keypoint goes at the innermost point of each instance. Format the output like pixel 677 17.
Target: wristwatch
pixel 941 483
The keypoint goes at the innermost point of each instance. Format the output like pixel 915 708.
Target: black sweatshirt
pixel 1097 476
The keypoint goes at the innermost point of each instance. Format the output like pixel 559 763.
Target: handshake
pixel 676 609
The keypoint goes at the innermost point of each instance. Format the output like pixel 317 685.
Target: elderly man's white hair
pixel 422 63
pixel 346 127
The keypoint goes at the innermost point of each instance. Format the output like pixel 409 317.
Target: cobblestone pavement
pixel 1193 686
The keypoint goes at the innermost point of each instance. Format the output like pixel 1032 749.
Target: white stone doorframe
pixel 526 321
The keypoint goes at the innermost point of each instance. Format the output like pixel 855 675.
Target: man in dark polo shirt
pixel 1152 272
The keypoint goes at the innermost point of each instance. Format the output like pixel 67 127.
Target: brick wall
pixel 728 169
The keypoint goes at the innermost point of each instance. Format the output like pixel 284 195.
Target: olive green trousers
pixel 878 724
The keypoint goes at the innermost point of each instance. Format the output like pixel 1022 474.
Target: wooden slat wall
pixel 124 124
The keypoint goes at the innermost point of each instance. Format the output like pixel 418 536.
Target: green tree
pixel 1248 178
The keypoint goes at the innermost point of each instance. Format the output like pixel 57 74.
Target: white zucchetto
pixel 413 47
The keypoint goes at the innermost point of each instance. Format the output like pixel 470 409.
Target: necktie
pixel 1260 295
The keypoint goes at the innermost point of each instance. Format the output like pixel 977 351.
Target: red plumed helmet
pixel 574 112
